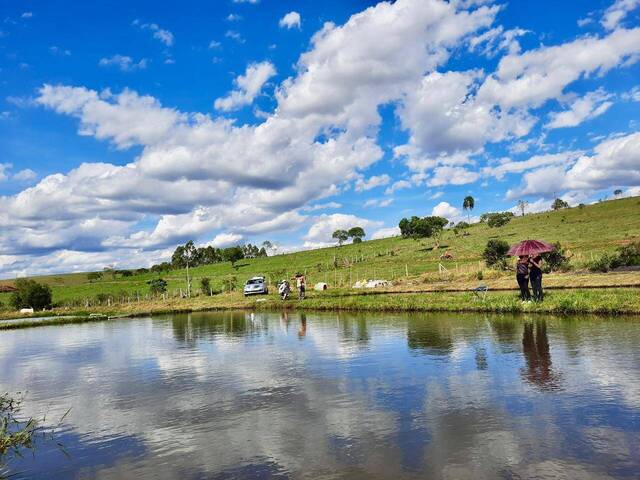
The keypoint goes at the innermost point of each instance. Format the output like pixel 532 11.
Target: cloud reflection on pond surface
pixel 286 395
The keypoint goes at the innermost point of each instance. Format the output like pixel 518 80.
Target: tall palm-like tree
pixel 467 204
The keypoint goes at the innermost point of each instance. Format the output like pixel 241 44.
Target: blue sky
pixel 127 129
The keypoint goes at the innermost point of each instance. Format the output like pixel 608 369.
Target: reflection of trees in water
pixel 430 337
pixel 193 326
pixel 354 330
pixel 537 355
pixel 507 332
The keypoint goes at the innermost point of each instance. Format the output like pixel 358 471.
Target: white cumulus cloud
pixel 248 86
pixel 290 20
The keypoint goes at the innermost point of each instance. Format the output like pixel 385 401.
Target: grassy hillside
pixel 586 233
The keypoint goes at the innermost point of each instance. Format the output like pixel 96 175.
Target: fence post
pixel 406 270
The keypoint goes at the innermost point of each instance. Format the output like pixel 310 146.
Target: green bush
pixel 495 253
pixel 102 298
pixel 31 294
pixel 629 255
pixel 157 286
pixel 605 263
pixel 205 285
pixel 230 284
pixel 626 256
pixel 556 261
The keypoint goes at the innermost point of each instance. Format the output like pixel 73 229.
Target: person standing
pixel 301 283
pixel 522 277
pixel 535 277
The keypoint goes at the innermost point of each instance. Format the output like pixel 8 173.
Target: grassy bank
pixel 586 233
pixel 592 301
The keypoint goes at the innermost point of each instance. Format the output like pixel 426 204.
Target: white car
pixel 256 286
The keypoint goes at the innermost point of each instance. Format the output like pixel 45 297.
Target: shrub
pixel 556 260
pixel 603 264
pixel 460 226
pixel 205 285
pixel 230 283
pixel 31 294
pixel 495 253
pixel 629 255
pixel 102 298
pixel 626 256
pixel 157 286
pixel 94 276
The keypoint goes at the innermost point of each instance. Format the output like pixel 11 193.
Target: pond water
pixel 271 395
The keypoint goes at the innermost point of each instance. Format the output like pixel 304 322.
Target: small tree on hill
pixel 189 254
pixel 341 236
pixel 467 204
pixel 31 294
pixel 495 220
pixel 233 254
pixel 617 192
pixel 426 227
pixel 357 233
pixel 94 276
pixel 522 206
pixel 559 204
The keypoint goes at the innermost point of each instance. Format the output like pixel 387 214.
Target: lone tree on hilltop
pixel 522 206
pixel 467 204
pixel 559 204
pixel 357 233
pixel 341 236
pixel 426 227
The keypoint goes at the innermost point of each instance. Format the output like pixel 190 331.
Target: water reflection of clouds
pixel 390 396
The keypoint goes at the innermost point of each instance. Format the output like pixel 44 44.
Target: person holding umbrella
pixel 522 277
pixel 535 277
pixel 528 253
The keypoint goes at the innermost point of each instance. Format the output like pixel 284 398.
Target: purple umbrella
pixel 530 247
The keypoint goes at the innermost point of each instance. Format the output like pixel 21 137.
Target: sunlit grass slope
pixel 586 233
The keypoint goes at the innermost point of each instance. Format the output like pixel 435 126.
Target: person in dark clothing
pixel 522 277
pixel 535 277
